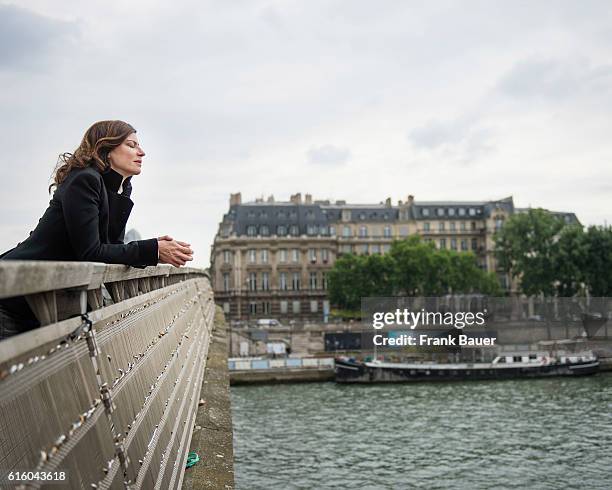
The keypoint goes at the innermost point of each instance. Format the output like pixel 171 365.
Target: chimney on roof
pixel 410 201
pixel 271 198
pixel 308 199
pixel 235 199
pixel 296 198
pixel 388 202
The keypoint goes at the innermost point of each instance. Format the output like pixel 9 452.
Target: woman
pixel 87 215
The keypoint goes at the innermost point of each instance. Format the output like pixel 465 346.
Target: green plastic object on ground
pixel 192 458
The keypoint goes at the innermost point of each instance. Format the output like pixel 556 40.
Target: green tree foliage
pixel 598 264
pixel 570 257
pixel 550 257
pixel 357 276
pixel 412 267
pixel 525 248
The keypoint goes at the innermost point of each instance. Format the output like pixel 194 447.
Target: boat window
pixel 516 359
pixel 532 357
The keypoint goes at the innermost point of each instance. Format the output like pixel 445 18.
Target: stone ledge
pixel 212 436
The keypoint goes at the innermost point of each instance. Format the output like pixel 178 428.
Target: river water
pixel 528 434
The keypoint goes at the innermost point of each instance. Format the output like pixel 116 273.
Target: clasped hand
pixel 173 252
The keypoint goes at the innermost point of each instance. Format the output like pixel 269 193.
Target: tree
pixel 411 268
pixel 598 263
pixel 525 248
pixel 570 261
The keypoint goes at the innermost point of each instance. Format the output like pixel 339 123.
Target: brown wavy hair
pixel 99 140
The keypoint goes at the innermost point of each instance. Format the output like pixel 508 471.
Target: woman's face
pixel 126 159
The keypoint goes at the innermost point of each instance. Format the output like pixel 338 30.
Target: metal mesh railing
pixel 113 404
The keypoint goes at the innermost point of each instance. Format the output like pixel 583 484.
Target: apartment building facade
pixel 270 259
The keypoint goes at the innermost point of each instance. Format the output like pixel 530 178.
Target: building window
pixel 252 281
pixel 441 226
pixel 387 231
pixel 386 247
pixel 472 212
pixel 263 215
pixel 346 248
pixel 363 231
pixel 440 211
pixel 251 230
pixel 313 306
pixel 312 230
pixel 376 248
pixel 296 307
pixel 346 231
pixel 281 214
pixel 499 222
pixel 264 230
pixel 264 256
pixel 424 212
pixel 295 255
pixel 251 214
pixel 332 231
pixel 464 245
pixel 403 231
pixel 283 281
pixel 461 211
pixel 283 255
pixel 452 225
pixel 324 280
pixel 226 281
pixel 281 230
pixel 473 225
pixel 323 230
pixel 462 226
pixel 226 307
pixel 252 256
pixel 310 214
pixel 474 243
pixel 313 280
pixel 295 282
pixel 325 255
pixel 451 211
pixel 443 243
pixel 265 281
pixel 227 256
pixel 265 307
pixel 365 249
pixel 294 230
pixel 283 306
pixel 312 255
pixel 453 244
pixel 426 226
pixel 292 214
pixel 253 308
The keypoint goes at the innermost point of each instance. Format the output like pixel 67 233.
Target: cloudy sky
pixel 355 100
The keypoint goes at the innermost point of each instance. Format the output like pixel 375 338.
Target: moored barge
pixel 522 365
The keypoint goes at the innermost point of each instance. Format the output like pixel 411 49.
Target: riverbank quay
pixel 287 370
pixel 212 438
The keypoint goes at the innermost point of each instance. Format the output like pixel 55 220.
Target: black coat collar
pixel 113 179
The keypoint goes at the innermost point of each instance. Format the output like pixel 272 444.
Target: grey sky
pixel 353 100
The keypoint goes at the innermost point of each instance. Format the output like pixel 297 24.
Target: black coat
pixel 85 221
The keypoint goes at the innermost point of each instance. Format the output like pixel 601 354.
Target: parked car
pixel 267 323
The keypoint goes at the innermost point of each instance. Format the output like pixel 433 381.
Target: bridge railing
pixel 106 398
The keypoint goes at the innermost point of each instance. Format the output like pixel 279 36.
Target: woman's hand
pixel 173 252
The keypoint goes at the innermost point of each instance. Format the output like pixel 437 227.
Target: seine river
pixel 528 434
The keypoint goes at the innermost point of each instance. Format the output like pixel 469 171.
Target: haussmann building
pixel 270 259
